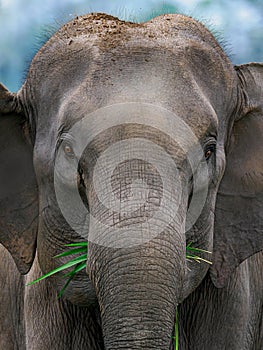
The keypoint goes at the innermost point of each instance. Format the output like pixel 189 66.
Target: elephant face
pixel 120 136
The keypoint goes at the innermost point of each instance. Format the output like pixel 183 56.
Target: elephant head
pixel 139 138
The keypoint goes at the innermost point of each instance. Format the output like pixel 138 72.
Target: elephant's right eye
pixel 208 154
pixel 209 150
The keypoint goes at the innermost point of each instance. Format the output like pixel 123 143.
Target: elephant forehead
pixel 143 76
pixel 98 60
pixel 90 38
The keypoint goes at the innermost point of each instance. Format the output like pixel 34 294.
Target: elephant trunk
pixel 137 254
pixel 138 290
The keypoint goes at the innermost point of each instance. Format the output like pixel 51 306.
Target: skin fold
pixel 159 108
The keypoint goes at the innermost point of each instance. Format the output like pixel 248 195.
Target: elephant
pixel 141 139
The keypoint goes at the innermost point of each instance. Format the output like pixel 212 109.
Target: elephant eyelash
pixel 66 137
pixel 64 134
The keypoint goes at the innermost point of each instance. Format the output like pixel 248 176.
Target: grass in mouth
pixel 191 254
pixel 79 263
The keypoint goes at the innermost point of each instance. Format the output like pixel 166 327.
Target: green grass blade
pixel 80 244
pixel 190 248
pixel 70 263
pixel 71 252
pixel 64 287
pixel 71 274
pixel 193 259
pixel 176 330
pixel 78 268
pixel 197 259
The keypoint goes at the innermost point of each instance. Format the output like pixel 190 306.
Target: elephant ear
pixel 239 207
pixel 18 187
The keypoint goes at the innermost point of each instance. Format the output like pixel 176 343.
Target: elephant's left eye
pixel 68 149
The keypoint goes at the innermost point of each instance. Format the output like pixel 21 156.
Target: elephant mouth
pixel 190 192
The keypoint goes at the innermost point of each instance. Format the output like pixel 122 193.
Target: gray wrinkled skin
pixel 127 297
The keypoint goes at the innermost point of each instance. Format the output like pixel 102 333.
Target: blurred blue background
pixel 25 24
